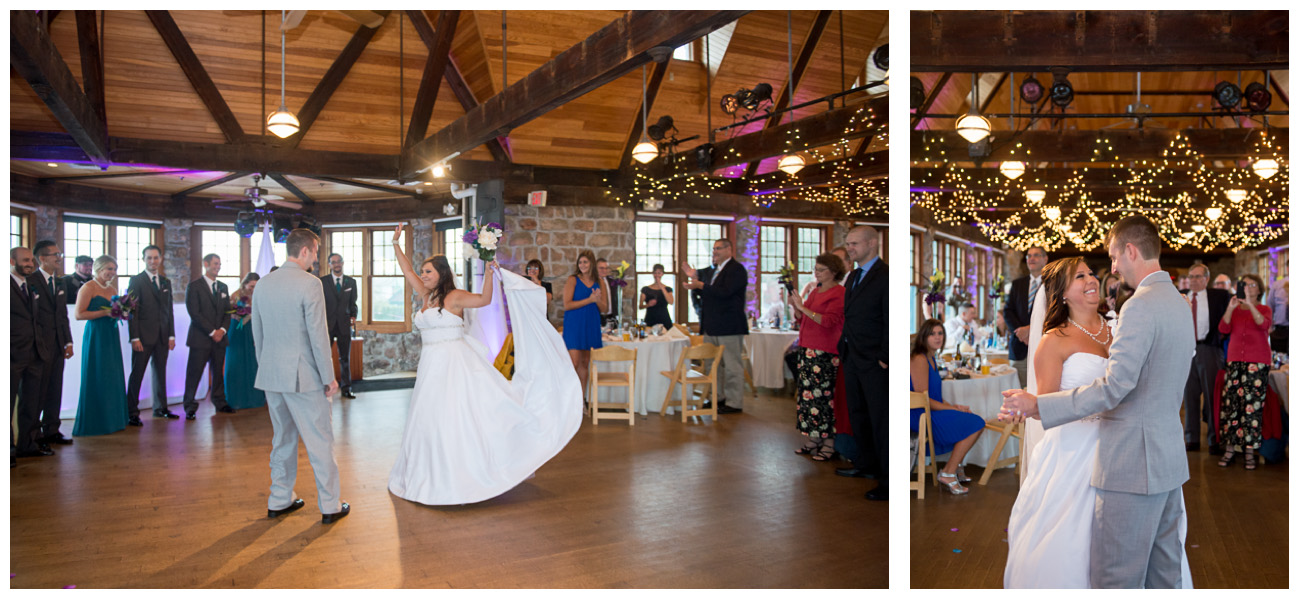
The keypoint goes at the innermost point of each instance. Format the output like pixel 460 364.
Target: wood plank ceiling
pixel 149 98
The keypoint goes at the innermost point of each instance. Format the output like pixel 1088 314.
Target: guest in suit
pixel 208 303
pixel 53 313
pixel 821 323
pixel 30 346
pixel 340 316
pixel 864 356
pixel 722 320
pixel 1018 308
pixel 1208 306
pixel 1246 383
pixel 153 335
pixel 101 401
pixel 705 274
pixel 610 311
pixel 292 345
pixel 72 283
pixel 1223 282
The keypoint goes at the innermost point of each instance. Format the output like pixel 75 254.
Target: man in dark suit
pixel 607 287
pixel 30 346
pixel 1016 312
pixel 1208 306
pixel 340 316
pixel 72 283
pixel 722 319
pixel 864 357
pixel 208 302
pixel 153 335
pixel 52 313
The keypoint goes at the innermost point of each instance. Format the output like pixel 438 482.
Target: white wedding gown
pixel 1049 535
pixel 471 434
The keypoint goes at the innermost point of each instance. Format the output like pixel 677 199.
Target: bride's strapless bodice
pixel 438 326
pixel 1080 369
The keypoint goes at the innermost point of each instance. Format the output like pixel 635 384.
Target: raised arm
pixel 463 299
pixel 404 262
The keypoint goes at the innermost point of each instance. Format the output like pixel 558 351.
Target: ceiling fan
pixel 259 197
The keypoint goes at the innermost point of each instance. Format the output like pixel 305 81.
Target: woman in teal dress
pixel 241 361
pixel 101 408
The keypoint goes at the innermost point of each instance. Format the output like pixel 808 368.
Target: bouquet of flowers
pixel 999 283
pixel 619 273
pixel 242 309
pixel 123 306
pixel 787 277
pixel 934 294
pixel 482 240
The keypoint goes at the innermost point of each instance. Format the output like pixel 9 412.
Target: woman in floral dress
pixel 1246 383
pixel 820 319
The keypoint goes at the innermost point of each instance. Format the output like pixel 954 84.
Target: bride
pixel 1050 530
pixel 471 434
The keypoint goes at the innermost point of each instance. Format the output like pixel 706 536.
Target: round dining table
pixel 653 355
pixel 1278 379
pixel 766 349
pixel 983 394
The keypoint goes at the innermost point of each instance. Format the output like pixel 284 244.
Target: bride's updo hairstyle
pixel 446 279
pixel 1057 277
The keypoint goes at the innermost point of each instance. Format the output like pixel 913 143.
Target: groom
pixel 1141 462
pixel 297 374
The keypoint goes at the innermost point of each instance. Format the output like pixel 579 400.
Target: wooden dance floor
pixel 1236 537
pixel 179 504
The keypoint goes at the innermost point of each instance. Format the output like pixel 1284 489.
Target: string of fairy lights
pixel 1234 206
pixel 840 185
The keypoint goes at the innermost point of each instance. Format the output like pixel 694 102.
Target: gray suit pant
pixel 1135 540
pixel 1022 371
pixel 731 373
pixel 305 415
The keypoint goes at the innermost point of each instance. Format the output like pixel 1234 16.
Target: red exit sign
pixel 537 198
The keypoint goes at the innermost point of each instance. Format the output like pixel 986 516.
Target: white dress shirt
pixel 1202 314
pixel 212 282
pixel 957 330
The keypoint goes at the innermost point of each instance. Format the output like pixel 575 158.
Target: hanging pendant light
pixel 794 162
pixel 1236 196
pixel 1035 196
pixel 282 123
pixel 971 125
pixel 1265 168
pixel 1213 213
pixel 1052 213
pixel 647 150
pixel 1012 169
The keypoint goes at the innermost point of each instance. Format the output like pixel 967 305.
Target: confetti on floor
pixel 957 550
pixel 953 529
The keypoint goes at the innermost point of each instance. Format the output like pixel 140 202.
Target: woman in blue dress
pixel 241 361
pixel 582 309
pixel 101 407
pixel 955 428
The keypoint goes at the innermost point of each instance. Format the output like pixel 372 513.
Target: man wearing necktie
pixel 52 312
pixel 607 287
pixel 30 347
pixel 340 317
pixel 152 332
pixel 864 358
pixel 722 319
pixel 1020 306
pixel 1208 306
pixel 208 303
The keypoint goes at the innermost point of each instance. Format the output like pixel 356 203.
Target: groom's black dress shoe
pixel 57 438
pixel 295 505
pixel 330 518
pixel 189 416
pixel 226 409
pixel 39 451
pixel 1193 446
pixel 135 422
pixel 348 394
pixel 165 414
pixel 854 472
pixel 728 410
pixel 880 493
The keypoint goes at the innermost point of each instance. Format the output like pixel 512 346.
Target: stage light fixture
pixel 1228 95
pixel 730 104
pixel 881 57
pixel 1062 93
pixel 1265 168
pixel 281 228
pixel 1213 213
pixel 439 170
pixel 309 224
pixel 660 129
pixel 704 157
pixel 1012 169
pixel 1031 92
pixel 245 224
pixel 752 99
pixel 1258 97
pixel 1236 196
pixel 917 94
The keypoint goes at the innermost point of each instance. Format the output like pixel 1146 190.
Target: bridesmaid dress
pixel 101 408
pixel 241 368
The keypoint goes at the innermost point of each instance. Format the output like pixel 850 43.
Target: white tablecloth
pixel 766 349
pixel 176 360
pixel 984 397
pixel 652 356
pixel 1279 381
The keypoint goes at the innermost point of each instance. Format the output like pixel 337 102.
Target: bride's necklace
pixel 1103 329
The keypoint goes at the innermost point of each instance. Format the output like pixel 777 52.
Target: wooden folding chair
pixel 691 380
pixel 924 437
pixel 613 379
pixel 1006 432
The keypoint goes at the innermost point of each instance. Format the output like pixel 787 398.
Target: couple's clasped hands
pixel 1018 405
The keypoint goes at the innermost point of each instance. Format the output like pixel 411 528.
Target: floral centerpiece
pixel 999 284
pixel 619 274
pixel 483 239
pixel 123 306
pixel 242 309
pixel 934 293
pixel 786 277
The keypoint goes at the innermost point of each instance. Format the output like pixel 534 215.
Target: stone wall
pixel 176 255
pixel 389 352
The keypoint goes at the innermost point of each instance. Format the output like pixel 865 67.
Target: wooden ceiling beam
pixel 1106 41
pixel 330 81
pixel 919 115
pixel 606 55
pixel 435 67
pixel 1078 145
pixel 198 76
pixel 293 189
pixel 185 193
pixel 854 168
pixel 1094 179
pixel 984 106
pixel 367 186
pixel 76 178
pixel 643 109
pixel 499 146
pixel 796 75
pixel 34 57
pixel 92 62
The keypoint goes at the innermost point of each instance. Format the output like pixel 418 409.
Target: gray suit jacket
pixel 292 345
pixel 1140 443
